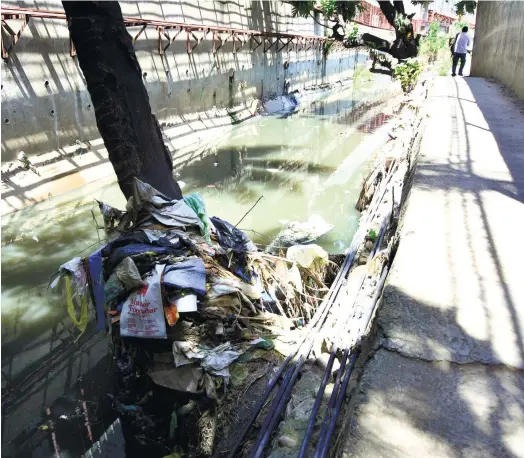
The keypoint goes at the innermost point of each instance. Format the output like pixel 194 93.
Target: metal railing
pixel 195 33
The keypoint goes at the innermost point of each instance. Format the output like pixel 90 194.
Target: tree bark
pixel 130 131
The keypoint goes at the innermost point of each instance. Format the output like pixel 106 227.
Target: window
pixel 374 20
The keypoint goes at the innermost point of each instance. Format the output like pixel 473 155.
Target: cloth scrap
pixel 94 262
pixel 190 274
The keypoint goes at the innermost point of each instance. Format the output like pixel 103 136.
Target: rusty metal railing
pixel 195 33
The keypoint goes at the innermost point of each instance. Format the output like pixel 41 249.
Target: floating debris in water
pixel 299 233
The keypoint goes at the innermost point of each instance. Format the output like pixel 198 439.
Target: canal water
pixel 309 163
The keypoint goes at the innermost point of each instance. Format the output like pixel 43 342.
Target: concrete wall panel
pixel 46 108
pixel 498 50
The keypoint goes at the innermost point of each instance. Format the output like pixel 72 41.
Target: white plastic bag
pixel 306 255
pixel 143 313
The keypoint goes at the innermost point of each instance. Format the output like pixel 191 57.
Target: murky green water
pixel 309 163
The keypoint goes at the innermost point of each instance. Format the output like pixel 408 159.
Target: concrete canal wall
pixel 47 111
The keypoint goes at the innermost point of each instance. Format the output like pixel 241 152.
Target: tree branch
pixel 388 10
pixel 399 7
pixel 319 23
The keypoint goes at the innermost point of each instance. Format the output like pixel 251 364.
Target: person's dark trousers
pixel 456 57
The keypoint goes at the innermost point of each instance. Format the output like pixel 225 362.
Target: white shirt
pixel 462 43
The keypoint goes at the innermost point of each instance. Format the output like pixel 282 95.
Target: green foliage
pixel 433 42
pixel 331 9
pixel 457 26
pixel 301 9
pixel 465 6
pixel 352 34
pixel 407 72
pixel 328 46
pixel 348 10
pixel 372 234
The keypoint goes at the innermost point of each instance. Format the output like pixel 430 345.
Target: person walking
pixel 460 48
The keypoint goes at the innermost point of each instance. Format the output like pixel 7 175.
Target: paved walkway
pixel 448 379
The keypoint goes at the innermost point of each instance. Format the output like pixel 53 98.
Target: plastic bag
pixel 305 255
pixel 197 204
pixel 113 290
pixel 129 275
pixel 143 313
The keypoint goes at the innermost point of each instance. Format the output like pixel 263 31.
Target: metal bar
pixel 284 45
pixel 139 33
pixel 171 40
pixel 310 46
pixel 257 42
pixel 14 36
pixel 243 42
pixel 221 43
pixel 8 28
pixel 274 42
pixel 230 33
pixel 18 13
pixel 160 48
pixel 190 49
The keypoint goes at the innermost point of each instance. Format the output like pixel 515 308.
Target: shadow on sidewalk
pixel 467 409
pixel 441 383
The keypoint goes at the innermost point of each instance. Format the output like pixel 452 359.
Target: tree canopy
pixel 340 13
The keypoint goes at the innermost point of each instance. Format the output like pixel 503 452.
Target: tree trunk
pixel 130 131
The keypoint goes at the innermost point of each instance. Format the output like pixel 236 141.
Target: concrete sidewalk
pixel 448 379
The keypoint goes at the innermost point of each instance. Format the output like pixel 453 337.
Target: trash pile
pixel 184 296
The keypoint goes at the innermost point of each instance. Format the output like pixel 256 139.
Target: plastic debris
pixel 129 275
pixel 299 233
pixel 185 378
pixel 238 244
pixel 171 313
pixel 81 323
pixel 113 290
pixel 76 268
pixel 142 313
pixel 306 255
pixel 207 299
pixel 215 360
pixel 196 202
pixel 186 304
pixel 172 213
